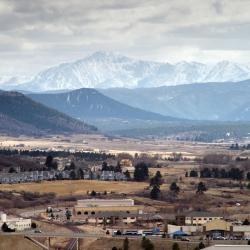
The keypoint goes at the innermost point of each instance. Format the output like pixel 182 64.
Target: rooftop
pixel 228 247
pixel 202 214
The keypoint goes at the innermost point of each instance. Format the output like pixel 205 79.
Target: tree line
pixel 88 156
pixel 233 173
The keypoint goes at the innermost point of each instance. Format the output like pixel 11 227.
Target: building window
pixel 79 213
pixel 92 212
pixel 85 212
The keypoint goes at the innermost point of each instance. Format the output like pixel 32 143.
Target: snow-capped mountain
pixel 8 82
pixel 106 70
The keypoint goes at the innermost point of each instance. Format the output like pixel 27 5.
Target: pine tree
pixel 175 246
pixel 155 192
pixel 174 188
pixel 201 245
pixel 201 188
pixel 141 172
pixel 157 179
pixel 126 244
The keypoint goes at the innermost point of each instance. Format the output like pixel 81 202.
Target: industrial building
pixel 107 210
pixel 196 218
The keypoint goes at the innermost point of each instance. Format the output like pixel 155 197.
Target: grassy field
pixel 135 244
pixel 76 187
pixel 16 243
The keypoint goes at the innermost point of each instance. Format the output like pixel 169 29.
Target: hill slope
pixel 106 70
pixel 21 115
pixel 207 101
pixel 89 104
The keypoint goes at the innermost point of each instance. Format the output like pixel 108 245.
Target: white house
pixel 19 224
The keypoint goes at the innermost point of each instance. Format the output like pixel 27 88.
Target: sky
pixel 36 34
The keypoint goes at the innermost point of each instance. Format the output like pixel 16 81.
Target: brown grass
pixel 135 244
pixel 16 243
pixel 76 187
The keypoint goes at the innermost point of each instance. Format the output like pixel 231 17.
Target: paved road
pixel 74 235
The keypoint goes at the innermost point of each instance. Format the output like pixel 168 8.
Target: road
pixel 72 235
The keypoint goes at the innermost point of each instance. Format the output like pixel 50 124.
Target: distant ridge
pixel 89 103
pixel 21 115
pixel 217 101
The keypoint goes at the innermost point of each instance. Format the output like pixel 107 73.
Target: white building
pixel 19 224
pixel 105 203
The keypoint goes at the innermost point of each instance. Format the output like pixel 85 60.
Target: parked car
pixel 219 238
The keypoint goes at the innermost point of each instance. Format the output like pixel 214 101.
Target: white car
pixel 219 238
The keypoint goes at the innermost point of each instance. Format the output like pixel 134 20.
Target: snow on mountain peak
pixel 105 69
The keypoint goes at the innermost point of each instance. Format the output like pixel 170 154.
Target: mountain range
pixel 109 70
pixel 208 101
pixel 21 115
pixel 86 104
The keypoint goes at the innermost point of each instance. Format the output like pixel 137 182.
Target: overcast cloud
pixel 35 34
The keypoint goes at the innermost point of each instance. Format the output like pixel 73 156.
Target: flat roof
pixel 201 214
pixel 94 199
pixel 228 247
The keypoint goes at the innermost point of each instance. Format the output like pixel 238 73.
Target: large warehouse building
pixel 110 210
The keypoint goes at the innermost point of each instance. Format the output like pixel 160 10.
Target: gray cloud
pixel 218 6
pixel 38 34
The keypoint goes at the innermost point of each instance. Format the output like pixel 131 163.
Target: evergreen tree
pixel 201 188
pixel 33 225
pixel 72 175
pixel 146 244
pixel 68 214
pixel 155 192
pixel 193 173
pixel 80 174
pixel 5 228
pixel 157 179
pixel 105 166
pixel 49 160
pixel 246 222
pixel 12 170
pixel 126 244
pixel 72 166
pixel 201 245
pixel 174 188
pixel 93 193
pixel 248 176
pixel 118 168
pixel 141 172
pixel 175 246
